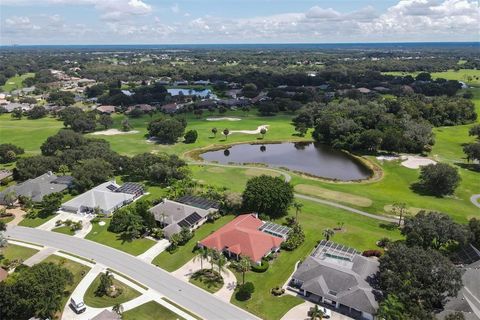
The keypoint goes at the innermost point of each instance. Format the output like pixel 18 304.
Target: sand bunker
pixel 415 162
pixel 388 158
pixel 223 119
pixel 263 126
pixel 113 132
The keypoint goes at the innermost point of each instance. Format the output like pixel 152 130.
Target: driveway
pixel 17 212
pixel 300 312
pixel 194 299
pixel 87 226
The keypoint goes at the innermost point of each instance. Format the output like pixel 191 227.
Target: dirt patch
pixel 259 172
pixel 333 195
pixel 216 170
pixel 411 210
pixel 415 162
pixel 113 132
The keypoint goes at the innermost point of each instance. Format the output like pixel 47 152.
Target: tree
pixel 37 291
pixel 269 195
pixel 50 204
pixel 434 230
pixel 328 233
pixel 32 167
pixel 315 313
pixel 126 125
pixel 63 169
pixel 226 132
pixel 423 76
pixel 91 172
pixel 245 291
pixel 472 150
pixel 221 262
pixel 191 136
pixel 298 208
pixel 105 120
pixel 455 316
pixel 9 198
pixel 3 225
pixel 392 309
pixel 296 237
pixel 37 112
pixel 244 266
pixel 69 114
pixel 399 209
pixel 17 113
pixel 214 131
pixel 63 140
pixel 474 226
pixel 106 281
pixel 9 152
pixel 420 278
pixel 438 179
pixel 202 254
pixel 475 131
pixel 166 130
pixel 263 131
pixel 61 98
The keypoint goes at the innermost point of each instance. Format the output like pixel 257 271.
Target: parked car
pixel 77 305
pixel 326 312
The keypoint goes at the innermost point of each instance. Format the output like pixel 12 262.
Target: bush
pixel 372 253
pixel 245 291
pixel 277 291
pixel 382 243
pixel 260 267
pixel 191 136
pixel 295 238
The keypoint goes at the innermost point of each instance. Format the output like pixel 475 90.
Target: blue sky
pixel 236 21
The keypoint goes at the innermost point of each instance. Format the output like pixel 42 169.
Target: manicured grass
pixel 16 82
pixel 78 270
pixel 181 308
pixel 65 230
pixel 150 311
pixel 101 235
pixel 12 251
pixel 92 300
pixel 173 261
pixel 205 283
pixel 7 219
pixel 28 134
pixel 470 76
pixel 333 195
pixel 35 222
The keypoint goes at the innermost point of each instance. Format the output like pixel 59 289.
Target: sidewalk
pixel 39 256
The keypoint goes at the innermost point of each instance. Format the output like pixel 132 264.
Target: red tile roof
pixel 241 236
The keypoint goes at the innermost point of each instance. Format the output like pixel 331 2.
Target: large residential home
pixel 142 107
pixel 38 187
pixel 247 236
pixel 107 197
pixel 188 212
pixel 106 109
pixel 467 301
pixel 338 276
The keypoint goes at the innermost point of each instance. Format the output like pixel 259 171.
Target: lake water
pixel 308 157
pixel 190 92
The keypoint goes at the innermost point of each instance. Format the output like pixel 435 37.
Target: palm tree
pixel 213 255
pixel 316 313
pixel 202 254
pixel 244 266
pixel 298 208
pixel 214 131
pixel 221 262
pixel 118 308
pixel 328 233
pixel 226 133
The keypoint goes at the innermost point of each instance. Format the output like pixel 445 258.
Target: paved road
pixel 301 196
pixel 475 199
pixel 202 303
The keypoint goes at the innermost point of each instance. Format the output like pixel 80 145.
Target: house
pixel 14 105
pixel 338 276
pixel 202 82
pixel 106 109
pixel 234 102
pixel 364 90
pixel 170 107
pixel 467 301
pixel 247 236
pixel 172 216
pixel 107 197
pixel 143 107
pixel 180 83
pixel 39 187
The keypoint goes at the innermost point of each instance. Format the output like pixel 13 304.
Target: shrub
pixel 191 136
pixel 372 253
pixel 295 238
pixel 245 291
pixel 382 243
pixel 262 267
pixel 277 291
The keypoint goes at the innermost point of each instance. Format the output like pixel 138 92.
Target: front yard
pixel 94 301
pixel 12 252
pixel 101 235
pixel 150 311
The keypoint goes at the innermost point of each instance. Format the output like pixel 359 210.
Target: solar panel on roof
pixel 275 229
pixel 198 202
pixel 131 188
pixel 190 220
pixel 111 187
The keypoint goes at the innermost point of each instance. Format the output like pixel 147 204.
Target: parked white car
pixel 326 312
pixel 77 305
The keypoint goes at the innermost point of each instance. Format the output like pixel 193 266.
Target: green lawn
pixel 101 235
pixel 65 230
pixel 35 222
pixel 16 82
pixel 7 219
pixel 150 311
pixel 204 283
pixel 470 76
pixel 93 301
pixel 12 251
pixel 78 270
pixel 173 261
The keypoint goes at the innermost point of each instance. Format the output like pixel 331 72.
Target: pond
pixel 307 157
pixel 203 93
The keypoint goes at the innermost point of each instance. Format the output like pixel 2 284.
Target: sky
pixel 57 22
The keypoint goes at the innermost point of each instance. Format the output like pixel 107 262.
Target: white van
pixel 77 305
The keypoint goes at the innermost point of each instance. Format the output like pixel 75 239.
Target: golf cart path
pixel 475 199
pixel 288 178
